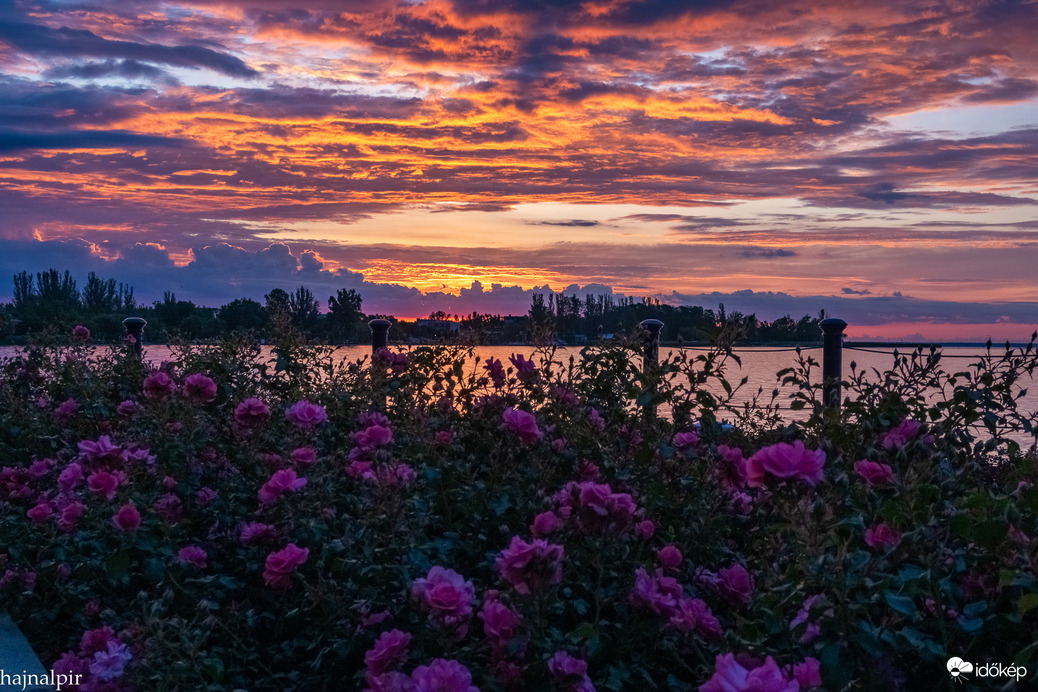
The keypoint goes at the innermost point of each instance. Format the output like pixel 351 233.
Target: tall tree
pixel 99 295
pixel 344 313
pixel 243 314
pixel 304 309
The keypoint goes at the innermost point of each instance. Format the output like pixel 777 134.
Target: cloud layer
pixel 658 148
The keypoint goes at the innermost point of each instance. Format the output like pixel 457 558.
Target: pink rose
pixel 566 668
pixel 192 555
pixel 159 385
pixel 306 415
pixel 281 482
pixel 645 529
pixel 655 592
pixel 882 536
pixel 808 673
pixel 901 434
pixel 127 518
pixel 784 460
pixel 545 524
pixel 734 584
pixel 252 413
pixel 530 567
pixel 442 676
pixel 693 615
pixel 81 332
pixel 199 388
pixel 521 424
pixel 670 557
pixel 103 483
pixel 304 456
pixel 445 595
pixel 500 625
pixel 389 651
pixel 874 473
pixel 71 477
pixel 41 513
pixel 730 676
pixel 128 408
pixel 70 515
pixel 374 436
pixel 256 532
pixel 685 440
pixel 282 564
pixel 169 507
pixel 66 410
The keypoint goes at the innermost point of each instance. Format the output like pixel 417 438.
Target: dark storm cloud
pixel 37 39
pixel 766 253
pixel 130 69
pixel 578 223
pixel 20 140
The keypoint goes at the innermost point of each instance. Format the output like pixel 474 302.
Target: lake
pixel 759 365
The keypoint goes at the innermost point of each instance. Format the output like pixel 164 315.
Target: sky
pixel 878 160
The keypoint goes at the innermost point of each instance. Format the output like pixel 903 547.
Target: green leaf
pixel 1027 603
pixel 900 604
pixel 118 564
pixel 990 534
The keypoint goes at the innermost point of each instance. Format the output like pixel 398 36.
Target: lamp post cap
pixel 832 323
pixel 135 321
pixel 650 324
pixel 380 323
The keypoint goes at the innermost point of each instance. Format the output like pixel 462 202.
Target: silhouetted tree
pixel 344 313
pixel 243 314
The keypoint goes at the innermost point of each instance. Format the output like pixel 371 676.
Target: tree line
pixel 52 301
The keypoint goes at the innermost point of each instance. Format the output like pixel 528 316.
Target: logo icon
pixel 958 668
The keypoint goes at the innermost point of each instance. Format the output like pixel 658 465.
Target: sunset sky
pixel 877 159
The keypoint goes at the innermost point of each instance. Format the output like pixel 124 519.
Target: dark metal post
pixel 832 361
pixel 379 334
pixel 651 331
pixel 651 357
pixel 135 331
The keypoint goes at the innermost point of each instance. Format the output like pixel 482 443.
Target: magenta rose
pixel 192 555
pixel 442 676
pixel 874 473
pixel 103 483
pixel 685 440
pixel 159 385
pixel 199 388
pixel 445 595
pixel 282 564
pixel 81 332
pixel 522 424
pixel 283 481
pixel 530 567
pixel 786 461
pixel 655 592
pixel 692 615
pixel 500 624
pixel 306 415
pixel 127 518
pixel 389 651
pixel 730 676
pixel 670 557
pixel 66 409
pixel 251 413
pixel 882 536
pixel 901 434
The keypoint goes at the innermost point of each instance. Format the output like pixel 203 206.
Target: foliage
pixel 582 523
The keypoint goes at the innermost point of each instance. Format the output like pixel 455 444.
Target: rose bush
pixel 433 521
